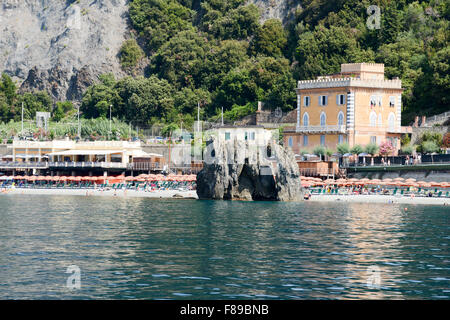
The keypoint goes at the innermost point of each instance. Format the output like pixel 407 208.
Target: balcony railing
pixel 45 165
pixel 24 165
pixel 319 129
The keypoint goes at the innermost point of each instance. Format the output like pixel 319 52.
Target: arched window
pixel 373 119
pixel 380 121
pixel 341 118
pixel 305 119
pixel 391 121
pixel 323 119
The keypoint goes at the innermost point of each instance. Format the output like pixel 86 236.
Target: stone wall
pixel 418 131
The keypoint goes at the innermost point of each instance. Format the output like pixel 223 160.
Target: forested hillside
pixel 218 52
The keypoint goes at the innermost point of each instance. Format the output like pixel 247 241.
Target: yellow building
pixel 358 106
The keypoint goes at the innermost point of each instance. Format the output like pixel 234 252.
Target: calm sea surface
pixel 187 249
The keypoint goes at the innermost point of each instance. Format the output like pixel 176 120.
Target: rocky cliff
pixel 234 170
pixel 61 45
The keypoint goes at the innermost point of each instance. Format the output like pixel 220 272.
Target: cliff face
pixel 61 46
pixel 233 170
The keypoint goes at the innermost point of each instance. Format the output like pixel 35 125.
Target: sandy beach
pixel 191 194
pixel 167 194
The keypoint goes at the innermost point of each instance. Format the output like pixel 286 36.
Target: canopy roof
pixel 143 154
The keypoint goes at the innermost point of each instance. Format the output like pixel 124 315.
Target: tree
pixel 159 20
pixel 270 39
pixel 371 149
pixel 238 23
pixel 98 98
pixel 181 59
pixel 143 99
pixel 343 148
pixel 319 151
pixel 34 102
pixel 61 110
pixel 8 88
pixel 386 148
pixel 357 149
pixel 130 53
pixel 429 147
pixel 323 50
pixel 168 129
pixel 408 149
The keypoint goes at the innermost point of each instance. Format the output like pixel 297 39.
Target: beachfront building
pixel 72 156
pixel 358 106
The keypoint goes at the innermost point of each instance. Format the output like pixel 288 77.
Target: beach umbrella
pixel 129 178
pixel 435 184
pixel 399 179
pixel 410 180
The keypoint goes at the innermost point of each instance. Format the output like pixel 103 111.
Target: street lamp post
pixel 79 126
pixel 110 129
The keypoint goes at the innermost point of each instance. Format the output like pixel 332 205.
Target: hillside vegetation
pixel 218 53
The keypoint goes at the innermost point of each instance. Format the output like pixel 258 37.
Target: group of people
pixel 412 160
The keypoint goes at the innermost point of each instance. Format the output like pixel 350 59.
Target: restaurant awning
pixel 84 152
pixel 143 154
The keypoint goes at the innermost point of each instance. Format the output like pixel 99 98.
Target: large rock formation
pixel 234 170
pixel 61 46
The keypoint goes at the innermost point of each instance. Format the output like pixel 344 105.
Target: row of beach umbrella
pixel 102 179
pixel 399 182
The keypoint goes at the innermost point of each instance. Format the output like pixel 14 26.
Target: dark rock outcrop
pixel 235 170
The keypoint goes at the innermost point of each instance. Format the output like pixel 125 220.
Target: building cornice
pixel 349 82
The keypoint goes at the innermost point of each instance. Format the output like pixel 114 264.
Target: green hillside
pixel 217 52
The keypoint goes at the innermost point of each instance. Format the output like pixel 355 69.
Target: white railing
pixel 106 165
